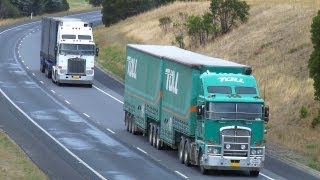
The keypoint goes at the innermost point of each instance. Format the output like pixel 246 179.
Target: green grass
pixel 314 163
pixel 114 60
pixel 78 4
pixel 14 164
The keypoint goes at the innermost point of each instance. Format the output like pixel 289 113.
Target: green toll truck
pixel 207 108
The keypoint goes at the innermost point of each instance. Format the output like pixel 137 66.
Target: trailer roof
pixel 62 19
pixel 184 56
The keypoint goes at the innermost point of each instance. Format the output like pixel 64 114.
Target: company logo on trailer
pixel 172 81
pixel 132 67
pixel 231 79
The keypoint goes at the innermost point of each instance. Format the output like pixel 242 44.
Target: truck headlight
pixel 89 72
pixel 62 71
pixel 243 147
pixel 259 152
pixel 212 150
pixel 253 152
pixel 228 146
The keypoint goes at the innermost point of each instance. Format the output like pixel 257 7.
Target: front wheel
pixel 47 72
pixel 186 159
pixel 203 170
pixel 254 173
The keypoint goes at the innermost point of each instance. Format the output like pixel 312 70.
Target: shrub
pixel 303 112
pixel 316 120
pixel 165 23
pixel 314 61
pixel 229 12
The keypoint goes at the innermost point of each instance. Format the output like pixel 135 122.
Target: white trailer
pixel 67 51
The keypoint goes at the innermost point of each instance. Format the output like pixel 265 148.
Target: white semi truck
pixel 67 51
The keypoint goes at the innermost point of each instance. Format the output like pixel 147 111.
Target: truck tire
pixel 129 123
pixel 254 173
pixel 186 155
pixel 181 150
pixel 150 133
pixel 126 120
pixel 47 72
pixel 42 68
pixel 203 170
pixel 159 143
pixel 154 136
pixel 133 126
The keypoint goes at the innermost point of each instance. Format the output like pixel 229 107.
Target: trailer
pixel 207 108
pixel 68 51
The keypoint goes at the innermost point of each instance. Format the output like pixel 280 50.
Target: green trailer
pixel 207 108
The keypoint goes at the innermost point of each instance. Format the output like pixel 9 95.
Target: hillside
pixel 275 42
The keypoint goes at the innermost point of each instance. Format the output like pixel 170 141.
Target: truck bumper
pixel 232 163
pixel 75 79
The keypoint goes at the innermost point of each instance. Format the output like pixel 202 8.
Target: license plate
pixel 235 163
pixel 76 77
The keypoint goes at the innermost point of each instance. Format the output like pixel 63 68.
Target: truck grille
pixel 77 66
pixel 233 139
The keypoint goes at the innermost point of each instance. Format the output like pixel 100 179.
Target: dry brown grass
pixel 275 42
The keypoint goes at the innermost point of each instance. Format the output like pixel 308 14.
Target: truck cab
pixel 68 51
pixel 230 123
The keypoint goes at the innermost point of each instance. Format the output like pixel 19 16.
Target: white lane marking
pixel 110 131
pixel 52 91
pixel 266 176
pixel 27 67
pixel 41 82
pixel 54 139
pixel 33 74
pixel 141 150
pixel 86 115
pixel 182 175
pixel 67 101
pixel 16 27
pixel 108 94
pixel 22 61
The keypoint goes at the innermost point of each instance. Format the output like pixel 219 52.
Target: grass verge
pixel 14 164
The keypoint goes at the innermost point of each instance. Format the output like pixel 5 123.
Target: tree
pixel 314 61
pixel 52 6
pixel 229 12
pixel 95 3
pixel 116 10
pixel 8 10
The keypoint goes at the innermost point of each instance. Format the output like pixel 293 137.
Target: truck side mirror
pixel 97 51
pixel 266 114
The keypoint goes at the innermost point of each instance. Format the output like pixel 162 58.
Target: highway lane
pixel 89 150
pixel 102 106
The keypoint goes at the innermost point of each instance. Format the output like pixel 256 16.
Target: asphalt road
pixel 85 150
pixel 88 122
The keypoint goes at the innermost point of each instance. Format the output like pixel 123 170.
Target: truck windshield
pixel 234 111
pixel 82 49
